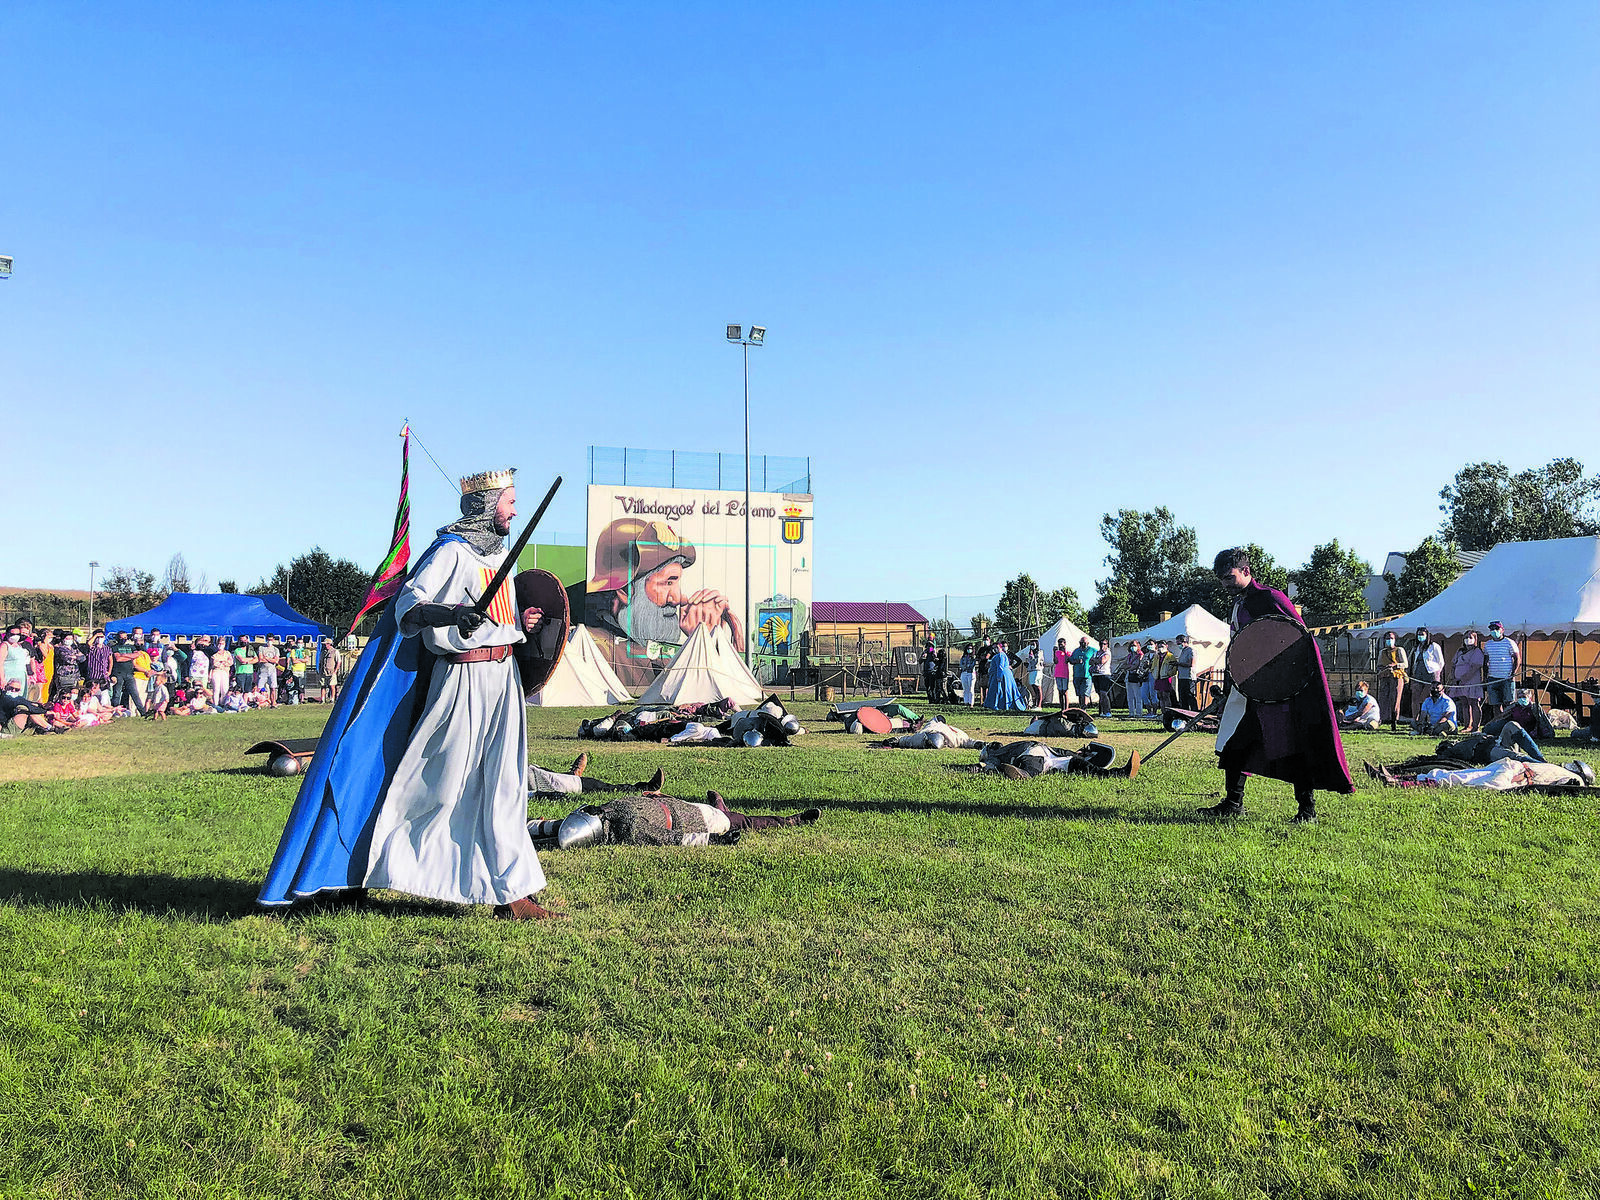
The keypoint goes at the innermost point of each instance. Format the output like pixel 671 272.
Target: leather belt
pixel 483 654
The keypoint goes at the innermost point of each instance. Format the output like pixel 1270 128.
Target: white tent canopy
pixel 706 669
pixel 1532 588
pixel 1207 635
pixel 583 678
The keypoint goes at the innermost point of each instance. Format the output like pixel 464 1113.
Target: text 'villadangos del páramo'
pixel 731 506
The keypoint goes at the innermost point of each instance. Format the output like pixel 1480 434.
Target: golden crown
pixel 486 480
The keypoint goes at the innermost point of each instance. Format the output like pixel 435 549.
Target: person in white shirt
pixel 1427 669
pixel 1363 712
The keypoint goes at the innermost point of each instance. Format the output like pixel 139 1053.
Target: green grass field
pixel 951 986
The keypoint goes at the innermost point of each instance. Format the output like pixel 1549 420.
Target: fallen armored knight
pixel 1026 760
pixel 641 815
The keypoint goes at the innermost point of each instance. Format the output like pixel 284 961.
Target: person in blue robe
pixel 1003 694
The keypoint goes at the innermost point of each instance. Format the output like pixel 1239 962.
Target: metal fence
pixel 43 608
pixel 625 465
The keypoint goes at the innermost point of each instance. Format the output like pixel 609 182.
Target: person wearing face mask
pixel 1363 710
pixel 1296 740
pixel 1436 714
pixel 1392 668
pixel 97 664
pixel 17 660
pixel 69 666
pixel 1526 714
pixel 1427 669
pixel 1466 671
pixel 1503 663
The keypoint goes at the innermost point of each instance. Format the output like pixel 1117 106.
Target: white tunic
pixel 453 823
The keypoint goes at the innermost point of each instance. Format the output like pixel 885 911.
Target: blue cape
pixel 328 839
pixel 1003 694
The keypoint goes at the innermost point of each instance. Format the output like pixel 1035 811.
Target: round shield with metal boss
pixel 1272 659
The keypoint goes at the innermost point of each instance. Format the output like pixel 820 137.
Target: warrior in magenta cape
pixel 1296 741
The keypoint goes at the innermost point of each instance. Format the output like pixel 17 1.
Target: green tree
pixel 1429 569
pixel 1477 506
pixel 1485 504
pixel 1200 586
pixel 943 632
pixel 1020 608
pixel 227 587
pixel 1112 614
pixel 1554 501
pixel 1064 602
pixel 981 624
pixel 1151 558
pixel 326 589
pixel 1329 587
pixel 125 591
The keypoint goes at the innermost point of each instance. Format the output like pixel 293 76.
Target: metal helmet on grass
pixel 282 766
pixel 580 828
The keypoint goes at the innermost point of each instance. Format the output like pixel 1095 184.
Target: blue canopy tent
pixel 189 614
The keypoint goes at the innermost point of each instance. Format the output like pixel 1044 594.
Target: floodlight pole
pixel 92 566
pixel 746 337
pixel 749 608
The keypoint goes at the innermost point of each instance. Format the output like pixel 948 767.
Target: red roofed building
pixel 883 624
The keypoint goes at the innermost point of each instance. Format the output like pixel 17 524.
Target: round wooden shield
pixel 874 720
pixel 1272 659
pixel 537 657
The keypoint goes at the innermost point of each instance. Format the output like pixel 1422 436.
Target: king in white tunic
pixel 452 824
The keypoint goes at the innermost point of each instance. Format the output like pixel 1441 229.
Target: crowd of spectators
pixel 50 683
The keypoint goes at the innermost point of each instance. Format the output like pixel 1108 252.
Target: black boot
pixel 1306 805
pixel 1232 800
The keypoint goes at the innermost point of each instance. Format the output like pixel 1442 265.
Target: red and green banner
pixel 386 580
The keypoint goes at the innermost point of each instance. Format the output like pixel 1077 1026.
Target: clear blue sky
pixel 1282 268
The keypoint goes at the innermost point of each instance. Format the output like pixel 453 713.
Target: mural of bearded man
pixel 637 605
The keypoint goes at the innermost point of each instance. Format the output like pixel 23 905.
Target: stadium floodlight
pixel 5 266
pixel 758 334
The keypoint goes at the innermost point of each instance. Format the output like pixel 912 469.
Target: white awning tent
pixel 1534 589
pixel 1207 635
pixel 708 668
pixel 582 679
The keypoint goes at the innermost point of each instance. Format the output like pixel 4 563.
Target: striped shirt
pixel 1501 657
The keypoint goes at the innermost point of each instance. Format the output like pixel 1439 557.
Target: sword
pixel 1220 697
pixel 490 592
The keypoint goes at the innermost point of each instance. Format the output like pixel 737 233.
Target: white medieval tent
pixel 1546 594
pixel 706 669
pixel 1064 628
pixel 1207 635
pixel 583 678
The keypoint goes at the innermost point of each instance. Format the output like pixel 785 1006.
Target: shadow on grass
pixel 191 896
pixel 196 897
pixel 1003 811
